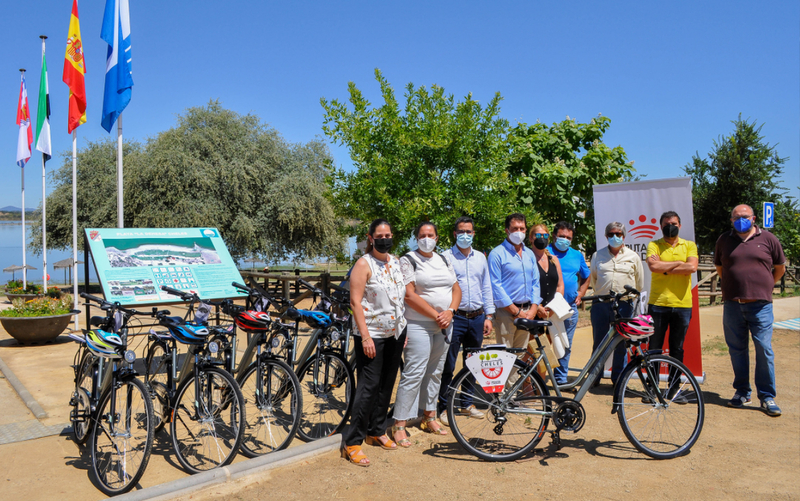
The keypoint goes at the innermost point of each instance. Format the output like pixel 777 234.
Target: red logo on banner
pixel 641 229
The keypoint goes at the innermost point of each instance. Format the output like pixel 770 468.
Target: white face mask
pixel 516 237
pixel 426 244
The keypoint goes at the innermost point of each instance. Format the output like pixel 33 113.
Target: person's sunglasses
pixel 541 235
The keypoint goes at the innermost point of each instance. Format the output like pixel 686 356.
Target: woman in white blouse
pixel 432 296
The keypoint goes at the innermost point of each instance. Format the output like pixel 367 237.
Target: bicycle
pixel 110 404
pixel 657 399
pixel 201 401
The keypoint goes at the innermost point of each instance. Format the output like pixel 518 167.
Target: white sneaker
pixel 474 413
pixel 443 419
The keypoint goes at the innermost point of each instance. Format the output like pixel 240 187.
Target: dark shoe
pixel 676 396
pixel 769 406
pixel 738 401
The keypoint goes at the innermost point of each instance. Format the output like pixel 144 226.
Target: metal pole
pixel 24 240
pixel 44 212
pixel 120 213
pixel 75 223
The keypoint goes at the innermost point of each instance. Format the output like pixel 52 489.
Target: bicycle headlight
pixel 276 342
pixel 213 347
pixel 130 356
pixel 335 335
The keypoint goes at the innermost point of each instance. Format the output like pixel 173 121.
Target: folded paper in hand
pixel 558 331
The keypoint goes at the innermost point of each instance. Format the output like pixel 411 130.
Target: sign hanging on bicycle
pixel 491 369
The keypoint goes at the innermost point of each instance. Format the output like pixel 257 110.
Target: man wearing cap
pixel 749 262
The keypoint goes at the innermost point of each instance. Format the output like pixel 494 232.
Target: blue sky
pixel 671 76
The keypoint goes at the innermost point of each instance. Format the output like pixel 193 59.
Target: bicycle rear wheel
pixel 122 437
pixel 81 398
pixel 157 364
pixel 328 390
pixel 207 431
pixel 660 430
pixel 505 432
pixel 272 407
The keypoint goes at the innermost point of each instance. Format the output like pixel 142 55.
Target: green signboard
pixel 133 263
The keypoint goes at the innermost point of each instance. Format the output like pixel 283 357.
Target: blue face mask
pixel 743 224
pixel 562 244
pixel 464 241
pixel 615 241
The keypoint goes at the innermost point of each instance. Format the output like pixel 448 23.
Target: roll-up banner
pixel 639 205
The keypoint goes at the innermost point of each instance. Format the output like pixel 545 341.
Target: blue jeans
pixel 570 323
pixel 602 317
pixel 737 320
pixel 467 332
pixel 677 320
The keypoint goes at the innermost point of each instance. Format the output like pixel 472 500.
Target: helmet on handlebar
pixel 253 320
pixel 635 329
pixel 103 343
pixel 315 319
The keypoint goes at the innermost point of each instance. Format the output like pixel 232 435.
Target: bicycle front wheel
pixel 660 407
pixel 272 407
pixel 122 437
pixel 328 387
pixel 508 429
pixel 208 420
pixel 157 364
pixel 81 398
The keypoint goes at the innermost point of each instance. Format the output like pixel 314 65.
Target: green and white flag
pixel 43 113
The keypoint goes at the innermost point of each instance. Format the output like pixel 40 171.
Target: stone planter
pixel 36 330
pixel 25 297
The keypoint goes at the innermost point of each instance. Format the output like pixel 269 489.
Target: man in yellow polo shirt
pixel 672 261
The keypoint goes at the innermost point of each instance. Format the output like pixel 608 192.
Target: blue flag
pixel 117 34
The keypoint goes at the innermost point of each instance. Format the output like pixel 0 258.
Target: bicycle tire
pixel 82 398
pixel 326 408
pixel 156 379
pixel 517 436
pixel 206 434
pixel 272 407
pixel 120 459
pixel 661 431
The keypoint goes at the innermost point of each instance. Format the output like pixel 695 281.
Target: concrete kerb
pixel 23 392
pixel 204 480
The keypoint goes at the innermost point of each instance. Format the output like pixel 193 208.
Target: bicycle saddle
pixel 529 325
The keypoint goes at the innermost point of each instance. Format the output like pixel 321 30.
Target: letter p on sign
pixel 769 215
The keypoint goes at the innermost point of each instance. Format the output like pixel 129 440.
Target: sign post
pixel 769 215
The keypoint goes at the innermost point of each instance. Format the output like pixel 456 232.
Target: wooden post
pixel 285 286
pixel 713 297
pixel 296 283
pixel 325 283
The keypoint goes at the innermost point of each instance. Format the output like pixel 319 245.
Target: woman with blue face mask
pixel 613 268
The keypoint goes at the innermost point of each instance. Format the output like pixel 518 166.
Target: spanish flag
pixel 74 69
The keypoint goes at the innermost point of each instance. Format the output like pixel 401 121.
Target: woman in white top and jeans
pixel 377 300
pixel 433 294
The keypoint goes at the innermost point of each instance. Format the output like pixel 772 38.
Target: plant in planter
pixel 39 320
pixel 17 289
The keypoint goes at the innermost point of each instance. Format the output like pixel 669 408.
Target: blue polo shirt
pixel 573 265
pixel 515 278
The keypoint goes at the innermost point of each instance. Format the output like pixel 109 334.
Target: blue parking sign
pixel 769 215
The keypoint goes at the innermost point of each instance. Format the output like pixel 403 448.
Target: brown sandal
pixel 353 454
pixel 426 426
pixel 403 442
pixel 387 443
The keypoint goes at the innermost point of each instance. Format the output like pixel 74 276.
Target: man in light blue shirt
pixel 515 283
pixel 575 272
pixel 473 319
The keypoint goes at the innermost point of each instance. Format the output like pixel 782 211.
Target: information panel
pixel 133 263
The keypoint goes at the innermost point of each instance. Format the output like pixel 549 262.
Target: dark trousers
pixel 602 317
pixel 469 333
pixel 677 320
pixel 375 382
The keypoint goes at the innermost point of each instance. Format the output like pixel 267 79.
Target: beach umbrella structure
pixel 67 265
pixel 15 268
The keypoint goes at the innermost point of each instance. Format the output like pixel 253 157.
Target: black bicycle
pixel 201 400
pixel 109 403
pixel 657 399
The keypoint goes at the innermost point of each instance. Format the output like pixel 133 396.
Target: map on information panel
pixel 133 263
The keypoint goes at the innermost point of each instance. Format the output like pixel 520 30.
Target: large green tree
pixel 430 158
pixel 556 166
pixel 214 168
pixel 741 168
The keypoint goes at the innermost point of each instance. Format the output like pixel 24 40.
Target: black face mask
pixel 382 245
pixel 670 231
pixel 540 243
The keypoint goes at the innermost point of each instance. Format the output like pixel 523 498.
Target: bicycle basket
pixel 635 329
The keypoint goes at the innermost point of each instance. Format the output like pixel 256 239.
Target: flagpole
pixel 120 213
pixel 24 243
pixel 44 212
pixel 75 223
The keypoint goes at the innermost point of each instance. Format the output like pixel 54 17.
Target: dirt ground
pixel 741 454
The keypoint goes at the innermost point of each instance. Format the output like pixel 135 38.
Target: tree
pixel 741 169
pixel 556 167
pixel 215 168
pixel 436 159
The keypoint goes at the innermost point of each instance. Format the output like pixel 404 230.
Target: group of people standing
pixel 422 308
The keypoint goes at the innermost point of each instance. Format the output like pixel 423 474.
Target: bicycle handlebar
pixel 186 296
pixel 107 305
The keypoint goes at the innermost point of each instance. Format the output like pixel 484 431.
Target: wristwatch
pixel 452 310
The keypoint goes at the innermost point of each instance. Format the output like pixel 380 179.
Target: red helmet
pixel 637 328
pixel 253 320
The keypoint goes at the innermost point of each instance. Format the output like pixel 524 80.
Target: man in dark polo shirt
pixel 749 261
